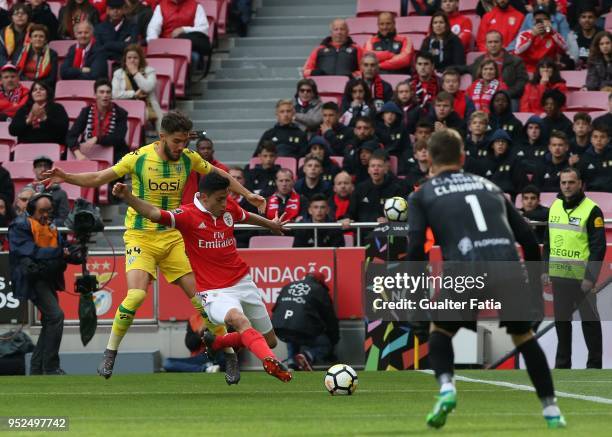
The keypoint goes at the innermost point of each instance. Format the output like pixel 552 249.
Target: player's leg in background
pixel 441 360
pixel 188 285
pixel 564 305
pixel 538 370
pixel 591 330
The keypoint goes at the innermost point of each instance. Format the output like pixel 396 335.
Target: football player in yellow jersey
pixel 159 172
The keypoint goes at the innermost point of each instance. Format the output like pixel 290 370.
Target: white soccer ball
pixel 396 209
pixel 341 379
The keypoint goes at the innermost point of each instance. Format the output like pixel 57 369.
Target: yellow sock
pixel 125 316
pixel 196 301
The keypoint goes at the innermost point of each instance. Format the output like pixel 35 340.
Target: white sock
pixel 551 411
pixel 448 386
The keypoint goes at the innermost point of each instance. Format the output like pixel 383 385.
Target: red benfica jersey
pixel 210 243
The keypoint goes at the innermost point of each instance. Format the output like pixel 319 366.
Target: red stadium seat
pixel 61 47
pixel 587 101
pixel 338 160
pixel 466 81
pixel 362 25
pixel 374 7
pixel 337 100
pixel 416 39
pixel 104 158
pixel 5 152
pixel 164 71
pixel 137 119
pixel 26 83
pixel 393 161
pixel 211 8
pixel 80 167
pixel 608 21
pixel 29 151
pixel 523 116
pixel 470 57
pixel 394 79
pixel 5 136
pixel 223 10
pixel 349 240
pixel 595 114
pixel 330 85
pixel 361 40
pixel 466 6
pixel 75 90
pixel 22 173
pixel 574 80
pixel 55 7
pixel 283 161
pixel 604 200
pixel 547 199
pixel 270 242
pixel 413 24
pixel 180 51
pixel 73 108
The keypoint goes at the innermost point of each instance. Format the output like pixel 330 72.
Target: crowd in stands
pixel 498 74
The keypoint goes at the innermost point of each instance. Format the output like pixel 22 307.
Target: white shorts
pixel 243 296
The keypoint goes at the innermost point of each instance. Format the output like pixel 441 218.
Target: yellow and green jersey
pixel 157 181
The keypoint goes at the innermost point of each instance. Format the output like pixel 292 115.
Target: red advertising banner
pixel 271 270
pixel 111 276
pixel 349 261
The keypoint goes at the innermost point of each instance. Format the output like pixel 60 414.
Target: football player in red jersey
pixel 229 295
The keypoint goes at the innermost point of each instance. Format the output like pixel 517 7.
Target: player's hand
pixel 278 224
pixel 54 176
pixel 257 201
pixel 120 190
pixel 586 286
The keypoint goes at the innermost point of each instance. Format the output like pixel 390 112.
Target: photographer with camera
pixel 542 41
pixel 38 259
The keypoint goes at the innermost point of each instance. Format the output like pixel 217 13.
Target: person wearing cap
pixel 14 36
pixel 86 60
pixel 41 119
pixel 319 148
pixel 557 19
pixel 61 207
pixel 541 41
pixel 13 95
pixel 116 32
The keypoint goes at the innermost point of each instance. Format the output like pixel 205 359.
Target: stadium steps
pixel 235 104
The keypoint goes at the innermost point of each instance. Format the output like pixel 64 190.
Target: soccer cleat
pixel 208 338
pixel 105 368
pixel 303 362
pixel 277 369
pixel 232 368
pixel 555 422
pixel 446 403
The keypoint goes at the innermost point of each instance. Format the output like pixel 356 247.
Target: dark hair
pixel 31 205
pixel 425 55
pixel 268 146
pixel 379 154
pixel 364 119
pixel 557 96
pixel 559 135
pixel 601 127
pixel 556 74
pixel 213 182
pixel 311 83
pixel 142 59
pixel 444 147
pixel 424 123
pixel 176 121
pixel 101 82
pixel 443 96
pixel 203 138
pixel 531 189
pixel 348 92
pixel 45 85
pixel 236 167
pixel 448 31
pixel 483 64
pixel 331 106
pixel 571 170
pixel 584 116
pixel 594 52
pixel 420 144
pixel 19 6
pixel 318 197
pixel 35 27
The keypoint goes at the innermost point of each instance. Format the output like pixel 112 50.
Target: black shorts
pixel 512 328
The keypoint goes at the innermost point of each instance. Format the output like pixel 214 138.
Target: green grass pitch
pixel 386 403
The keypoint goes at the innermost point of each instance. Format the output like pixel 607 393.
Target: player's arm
pixel 89 179
pixel 143 208
pixel 276 225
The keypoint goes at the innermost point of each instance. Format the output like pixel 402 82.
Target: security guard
pixel 575 247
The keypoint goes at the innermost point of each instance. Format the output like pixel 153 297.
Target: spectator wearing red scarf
pixel 13 95
pixel 488 82
pixel 425 84
pixel 102 123
pixel 286 200
pixel 462 103
pixel 86 60
pixel 381 90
